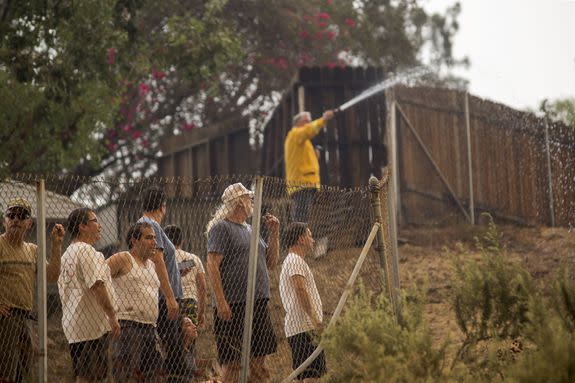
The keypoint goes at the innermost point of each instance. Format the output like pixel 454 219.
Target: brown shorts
pixel 16 350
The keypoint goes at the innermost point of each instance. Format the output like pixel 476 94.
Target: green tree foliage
pixel 367 345
pixel 104 80
pixel 559 110
pixel 490 301
pixel 52 92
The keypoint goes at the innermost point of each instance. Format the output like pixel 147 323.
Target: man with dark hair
pixel 88 298
pixel 136 353
pixel 193 304
pixel 18 262
pixel 169 320
pixel 301 301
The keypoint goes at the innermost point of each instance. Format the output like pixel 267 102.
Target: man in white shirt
pixel 88 298
pixel 136 353
pixel 301 301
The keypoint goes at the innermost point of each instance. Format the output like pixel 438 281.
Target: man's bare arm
pixel 99 289
pixel 213 266
pixel 165 287
pixel 53 267
pixel 304 298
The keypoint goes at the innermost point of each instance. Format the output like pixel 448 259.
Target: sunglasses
pixel 21 215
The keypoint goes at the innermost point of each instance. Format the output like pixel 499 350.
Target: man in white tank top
pixel 136 353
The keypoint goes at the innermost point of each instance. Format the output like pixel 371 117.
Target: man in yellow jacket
pixel 302 165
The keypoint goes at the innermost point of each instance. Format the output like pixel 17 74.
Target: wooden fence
pixel 522 167
pixel 353 145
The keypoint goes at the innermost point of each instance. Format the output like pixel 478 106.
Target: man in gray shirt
pixel 228 257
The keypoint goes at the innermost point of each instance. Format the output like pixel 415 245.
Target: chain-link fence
pixel 154 242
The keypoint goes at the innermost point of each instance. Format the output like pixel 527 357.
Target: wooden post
pixel 41 280
pixel 469 162
pixel 549 175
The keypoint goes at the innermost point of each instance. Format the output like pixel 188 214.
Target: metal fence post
pixel 469 161
pixel 389 284
pixel 41 280
pixel 252 270
pixel 549 175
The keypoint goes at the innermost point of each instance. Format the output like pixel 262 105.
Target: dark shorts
pixel 16 350
pixel 229 333
pixel 90 358
pixel 136 354
pixel 302 346
pixel 302 201
pixel 177 362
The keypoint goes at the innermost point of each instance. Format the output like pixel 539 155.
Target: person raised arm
pixel 53 267
pixel 272 253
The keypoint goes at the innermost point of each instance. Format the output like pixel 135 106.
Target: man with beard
pixel 228 257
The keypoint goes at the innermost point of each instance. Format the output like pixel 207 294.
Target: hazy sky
pixel 521 51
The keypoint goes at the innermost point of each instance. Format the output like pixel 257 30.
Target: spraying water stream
pixel 397 79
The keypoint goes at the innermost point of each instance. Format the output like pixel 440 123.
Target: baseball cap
pixel 19 203
pixel 234 191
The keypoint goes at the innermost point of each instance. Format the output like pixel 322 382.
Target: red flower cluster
pixel 111 56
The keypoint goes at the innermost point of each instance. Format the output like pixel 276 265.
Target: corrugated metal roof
pixel 58 206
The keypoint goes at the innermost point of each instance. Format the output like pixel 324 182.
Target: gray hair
pixel 222 212
pixel 300 115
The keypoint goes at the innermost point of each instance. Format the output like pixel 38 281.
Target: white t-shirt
pixel 137 293
pixel 83 318
pixel 189 280
pixel 296 320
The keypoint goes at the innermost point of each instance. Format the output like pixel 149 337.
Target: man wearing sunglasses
pixel 17 278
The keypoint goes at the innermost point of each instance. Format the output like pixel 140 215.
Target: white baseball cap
pixel 234 191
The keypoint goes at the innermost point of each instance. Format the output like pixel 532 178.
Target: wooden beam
pixel 433 163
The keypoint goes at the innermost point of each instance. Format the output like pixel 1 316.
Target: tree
pixel 158 68
pixel 559 110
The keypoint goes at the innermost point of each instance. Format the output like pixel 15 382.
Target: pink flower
pixel 158 74
pixel 323 16
pixel 350 22
pixel 136 134
pixel 331 65
pixel 304 35
pixel 111 146
pixel 145 142
pixel 330 35
pixel 126 128
pixel 322 24
pixel 187 126
pixel 111 56
pixel 282 63
pixel 144 89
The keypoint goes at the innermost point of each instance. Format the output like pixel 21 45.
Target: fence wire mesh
pixel 153 240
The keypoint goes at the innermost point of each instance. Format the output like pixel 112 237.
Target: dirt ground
pixel 423 259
